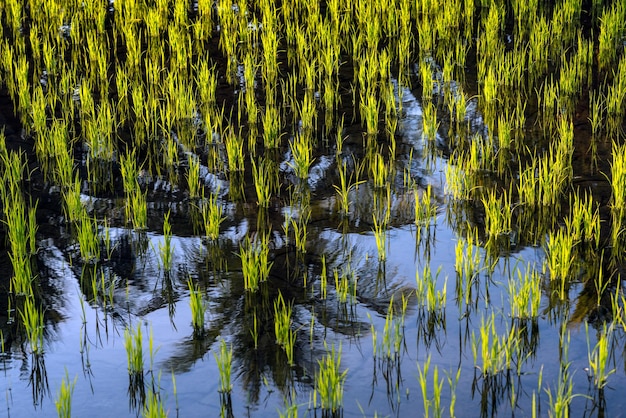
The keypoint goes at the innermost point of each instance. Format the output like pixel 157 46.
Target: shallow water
pixel 85 323
pixel 84 337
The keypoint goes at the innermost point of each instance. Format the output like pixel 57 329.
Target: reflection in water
pixel 38 379
pixel 136 391
pixel 492 390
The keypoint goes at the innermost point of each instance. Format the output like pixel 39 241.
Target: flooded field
pixel 312 208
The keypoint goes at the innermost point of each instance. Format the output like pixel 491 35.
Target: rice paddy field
pixel 333 208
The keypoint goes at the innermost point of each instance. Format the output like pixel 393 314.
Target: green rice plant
pixel 88 239
pixel 433 402
pixel 198 308
pixel 262 182
pixel 302 154
pixel 468 267
pixel 525 293
pixel 583 222
pixel 285 336
pixel 560 258
pixel 345 187
pixel 345 284
pixel 393 331
pixel 130 172
pixel 193 176
pixel 63 402
pixel 153 406
pixel 425 206
pixel 453 382
pixel 307 110
pixel 459 182
pixel 380 236
pixel 271 126
pixel 212 216
pixel 618 188
pixel 370 109
pixel 32 228
pixel 206 81
pixel 496 351
pixel 498 213
pixel 300 230
pixel 137 209
pixel 133 342
pixel 234 151
pixel 611 34
pixel 166 250
pixel 32 320
pixel 599 356
pixel 330 380
pixel 559 401
pixel 426 294
pixel 224 360
pixel 430 125
pixel 379 171
pixel 255 263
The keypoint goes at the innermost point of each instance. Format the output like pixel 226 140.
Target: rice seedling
pixel 379 171
pixel 583 223
pixel 301 153
pixel 234 151
pixel 560 399
pixel 271 127
pixel 224 360
pixel 618 197
pixel 285 336
pixel 370 109
pixel 599 356
pixel 611 31
pixel 300 228
pixel 525 293
pixel 166 250
pixel 133 342
pixel 495 350
pixel 212 216
pixel 198 308
pixel 330 380
pixel 32 320
pixel 346 186
pixel 426 294
pixel 498 213
pixel 380 236
pixel 433 402
pixel 468 267
pixel 559 259
pixel 262 182
pixel 153 406
pixel 88 240
pixel 429 121
pixel 425 208
pixel 193 177
pixel 137 210
pixel 255 263
pixel 393 331
pixel 63 402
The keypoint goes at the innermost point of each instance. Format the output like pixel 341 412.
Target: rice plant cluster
pixel 140 119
